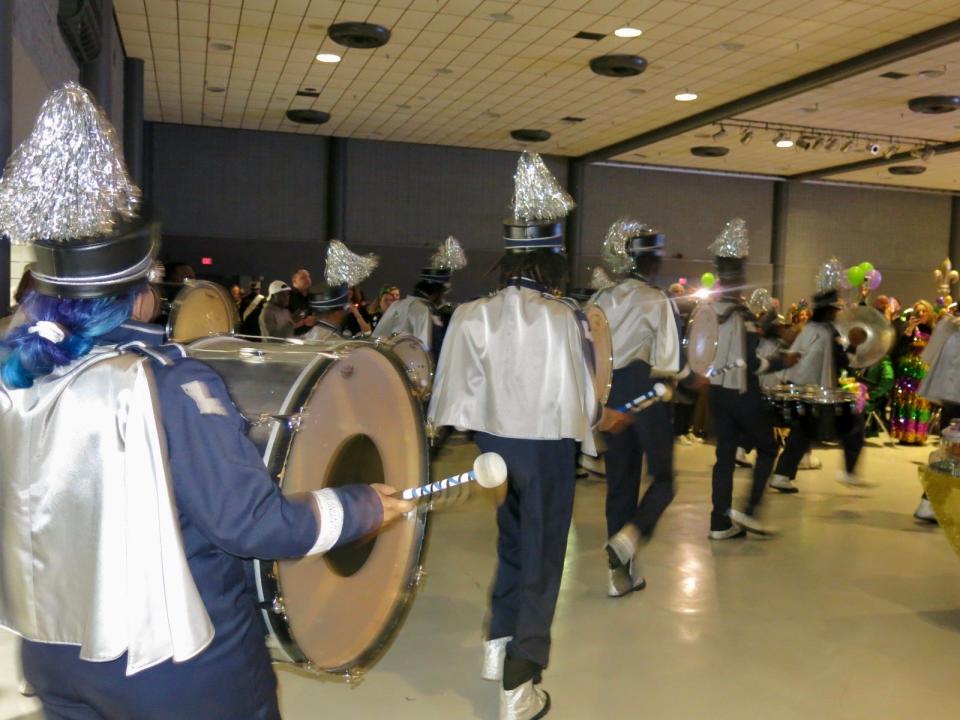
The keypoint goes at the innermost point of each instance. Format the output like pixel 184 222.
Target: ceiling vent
pixel 934 104
pixel 308 117
pixel 365 36
pixel 584 35
pixel 530 135
pixel 308 92
pixel 618 65
pixel 80 27
pixel 709 151
pixel 907 170
pixel 572 120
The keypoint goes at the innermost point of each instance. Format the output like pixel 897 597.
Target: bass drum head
pixel 416 362
pixel 343 608
pixel 703 332
pixel 201 309
pixel 602 352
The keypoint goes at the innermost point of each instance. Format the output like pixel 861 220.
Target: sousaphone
pixel 879 333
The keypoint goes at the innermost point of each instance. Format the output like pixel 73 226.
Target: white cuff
pixel 764 366
pixel 330 520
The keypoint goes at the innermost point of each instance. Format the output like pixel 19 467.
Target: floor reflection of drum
pixel 602 352
pixel 416 361
pixel 199 310
pixel 322 424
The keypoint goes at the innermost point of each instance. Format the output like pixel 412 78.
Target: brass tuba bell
pixel 880 334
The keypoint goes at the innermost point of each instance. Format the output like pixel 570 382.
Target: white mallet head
pixel 740 362
pixel 489 470
pixel 660 389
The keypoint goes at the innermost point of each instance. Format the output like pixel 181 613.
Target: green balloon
pixel 856 275
pixel 708 280
pixel 867 267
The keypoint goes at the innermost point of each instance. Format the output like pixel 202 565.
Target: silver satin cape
pixel 513 365
pixel 642 325
pixel 412 316
pixel 731 347
pixel 942 354
pixel 816 366
pixel 91 549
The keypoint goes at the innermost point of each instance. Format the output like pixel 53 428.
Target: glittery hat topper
pixel 599 280
pixel 449 256
pixel 760 303
pixel 67 180
pixel 625 240
pixel 537 196
pixel 830 276
pixel 346 268
pixel 733 241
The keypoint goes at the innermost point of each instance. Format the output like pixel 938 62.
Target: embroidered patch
pixel 206 403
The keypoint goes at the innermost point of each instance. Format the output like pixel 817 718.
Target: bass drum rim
pixel 696 360
pixel 390 343
pixel 597 319
pixel 178 305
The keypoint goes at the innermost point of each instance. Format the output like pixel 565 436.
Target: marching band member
pixel 420 314
pixel 646 346
pixel 531 407
pixel 129 493
pixel 735 398
pixel 331 302
pixel 819 358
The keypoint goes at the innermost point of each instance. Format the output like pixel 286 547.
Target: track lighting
pixel 782 140
pixel 746 136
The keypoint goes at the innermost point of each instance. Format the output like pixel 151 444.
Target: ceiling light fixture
pixel 628 32
pixel 328 58
pixel 803 142
pixel 719 134
pixel 746 136
pixel 928 153
pixel 685 96
pixel 830 144
pixel 847 146
pixel 817 142
pixel 872 147
pixel 217 45
pixel 891 151
pixel 782 140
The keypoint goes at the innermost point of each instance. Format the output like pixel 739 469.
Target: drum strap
pixel 254 304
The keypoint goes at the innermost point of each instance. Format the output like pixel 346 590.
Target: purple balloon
pixel 874 278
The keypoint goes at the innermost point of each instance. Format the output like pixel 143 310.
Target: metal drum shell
pixel 702 337
pixel 307 410
pixel 827 414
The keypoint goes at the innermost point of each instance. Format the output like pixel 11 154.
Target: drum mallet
pixel 660 393
pixel 489 471
pixel 738 363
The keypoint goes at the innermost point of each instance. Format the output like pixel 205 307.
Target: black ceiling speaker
pixel 618 65
pixel 308 117
pixel 80 26
pixel 907 170
pixel 530 135
pixel 365 36
pixel 709 151
pixel 934 104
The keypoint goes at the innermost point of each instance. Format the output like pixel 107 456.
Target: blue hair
pixel 27 356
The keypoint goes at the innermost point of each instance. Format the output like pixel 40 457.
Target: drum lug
pixel 278 607
pixel 419 576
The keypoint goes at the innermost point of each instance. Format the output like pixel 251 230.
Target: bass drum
pixel 602 352
pixel 201 309
pixel 319 421
pixel 703 333
pixel 416 361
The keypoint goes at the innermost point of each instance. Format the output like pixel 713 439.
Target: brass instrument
pixel 880 334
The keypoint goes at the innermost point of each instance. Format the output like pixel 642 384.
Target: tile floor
pixel 852 612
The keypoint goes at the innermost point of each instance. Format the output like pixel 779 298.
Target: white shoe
pixel 925 512
pixel 740 459
pixel 682 441
pixel 851 480
pixel 809 462
pixel 694 438
pixel 750 523
pixel 623 572
pixel 526 702
pixel 494 651
pixel 734 531
pixel 783 484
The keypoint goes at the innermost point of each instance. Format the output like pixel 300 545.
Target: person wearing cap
pixel 736 402
pixel 275 319
pixel 532 408
pixel 422 314
pixel 330 303
pixel 128 583
pixel 820 357
pixel 646 349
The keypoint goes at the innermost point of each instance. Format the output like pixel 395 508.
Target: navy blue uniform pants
pixel 533 523
pixel 739 418
pixel 798 444
pixel 212 686
pixel 650 435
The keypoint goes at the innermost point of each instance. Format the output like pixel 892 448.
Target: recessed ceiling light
pixel 709 151
pixel 443 71
pixel 636 91
pixel 328 58
pixel 685 96
pixel 628 32
pixel 500 17
pixel 216 89
pixel 934 104
pixel 491 114
pixel 782 141
pixel 404 106
pixel 221 46
pixel 732 46
pixel 929 75
pixel 530 135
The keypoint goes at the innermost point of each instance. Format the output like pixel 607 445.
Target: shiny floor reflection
pixel 852 612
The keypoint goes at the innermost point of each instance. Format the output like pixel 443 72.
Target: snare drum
pixel 319 420
pixel 785 403
pixel 827 414
pixel 201 309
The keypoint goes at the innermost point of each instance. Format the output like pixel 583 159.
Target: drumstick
pixel 738 363
pixel 659 393
pixel 489 470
